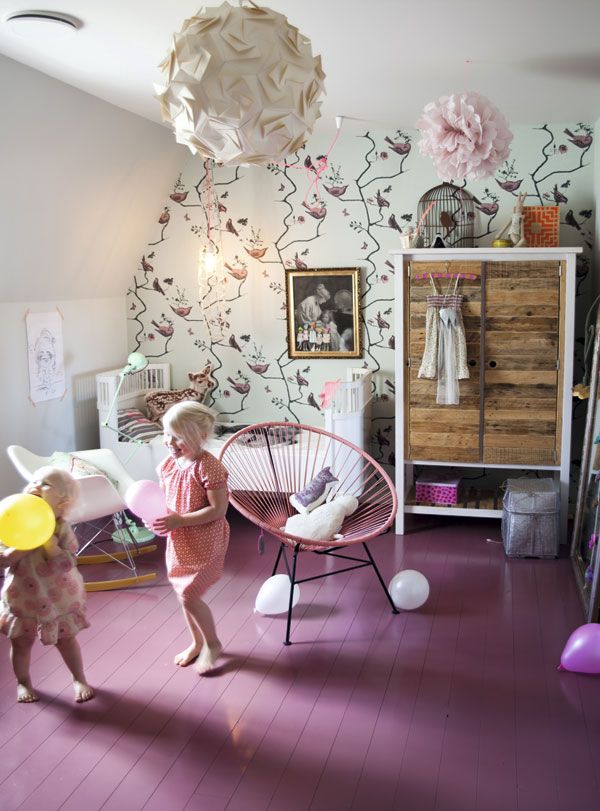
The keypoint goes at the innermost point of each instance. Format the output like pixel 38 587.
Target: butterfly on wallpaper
pixel 151 255
pixel 345 212
pixel 245 338
pixel 169 280
pixel 186 217
pixel 242 221
pixel 305 252
pixel 265 273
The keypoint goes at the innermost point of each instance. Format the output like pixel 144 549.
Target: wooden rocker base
pixel 103 557
pixel 121 583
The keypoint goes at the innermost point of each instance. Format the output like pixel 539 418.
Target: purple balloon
pixel 581 654
pixel 147 500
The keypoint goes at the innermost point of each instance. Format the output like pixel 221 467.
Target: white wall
pixel 94 337
pixel 81 184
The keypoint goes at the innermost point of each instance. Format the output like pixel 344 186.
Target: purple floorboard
pixel 456 706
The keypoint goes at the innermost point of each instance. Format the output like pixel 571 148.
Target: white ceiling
pixel 537 60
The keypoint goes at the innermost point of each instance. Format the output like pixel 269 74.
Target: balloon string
pixel 313 173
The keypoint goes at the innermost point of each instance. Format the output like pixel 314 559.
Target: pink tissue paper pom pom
pixel 465 136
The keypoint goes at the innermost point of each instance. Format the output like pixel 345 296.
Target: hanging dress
pixel 445 354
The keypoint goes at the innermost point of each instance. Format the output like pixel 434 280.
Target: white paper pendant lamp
pixel 241 85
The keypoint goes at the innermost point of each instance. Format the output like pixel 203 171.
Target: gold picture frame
pixel 323 313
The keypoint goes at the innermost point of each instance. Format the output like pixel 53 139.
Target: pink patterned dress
pixel 45 595
pixel 195 555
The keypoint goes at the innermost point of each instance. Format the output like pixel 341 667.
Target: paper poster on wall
pixel 45 356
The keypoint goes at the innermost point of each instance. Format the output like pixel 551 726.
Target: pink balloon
pixel 581 654
pixel 147 500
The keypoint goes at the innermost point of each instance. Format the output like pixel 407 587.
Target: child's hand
pixel 163 525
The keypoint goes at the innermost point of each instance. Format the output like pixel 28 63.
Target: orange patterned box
pixel 541 226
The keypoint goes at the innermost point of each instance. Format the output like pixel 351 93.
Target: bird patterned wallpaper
pixel 335 204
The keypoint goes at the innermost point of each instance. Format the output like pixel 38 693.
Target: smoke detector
pixel 43 26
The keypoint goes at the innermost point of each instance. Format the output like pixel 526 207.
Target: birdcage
pixel 449 212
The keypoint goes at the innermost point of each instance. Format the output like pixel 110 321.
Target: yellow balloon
pixel 26 521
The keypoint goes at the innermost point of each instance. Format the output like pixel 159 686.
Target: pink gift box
pixel 434 488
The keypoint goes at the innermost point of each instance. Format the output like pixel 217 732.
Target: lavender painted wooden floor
pixel 453 707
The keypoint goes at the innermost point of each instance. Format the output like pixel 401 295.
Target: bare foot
pixel 208 657
pixel 188 655
pixel 26 694
pixel 83 691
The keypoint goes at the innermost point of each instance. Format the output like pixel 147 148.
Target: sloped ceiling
pixel 82 183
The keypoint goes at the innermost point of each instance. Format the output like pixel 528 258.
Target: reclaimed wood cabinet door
pixel 442 433
pixel 523 336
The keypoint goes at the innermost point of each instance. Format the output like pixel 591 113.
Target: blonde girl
pixel 43 592
pixel 195 485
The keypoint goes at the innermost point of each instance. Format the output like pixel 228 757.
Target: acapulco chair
pixel 269 461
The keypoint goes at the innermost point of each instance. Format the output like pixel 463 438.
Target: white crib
pixel 140 459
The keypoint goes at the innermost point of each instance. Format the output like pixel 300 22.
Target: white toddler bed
pixel 141 458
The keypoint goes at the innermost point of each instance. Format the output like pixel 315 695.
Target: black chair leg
pixel 277 559
pixel 292 584
pixel 380 578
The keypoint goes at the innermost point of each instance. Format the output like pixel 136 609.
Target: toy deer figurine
pixel 515 225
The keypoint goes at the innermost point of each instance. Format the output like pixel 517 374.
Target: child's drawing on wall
pixel 45 355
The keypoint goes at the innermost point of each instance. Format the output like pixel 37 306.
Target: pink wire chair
pixel 269 461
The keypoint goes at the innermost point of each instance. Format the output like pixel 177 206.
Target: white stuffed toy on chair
pixel 324 522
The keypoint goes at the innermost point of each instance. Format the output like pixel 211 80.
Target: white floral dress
pixel 45 596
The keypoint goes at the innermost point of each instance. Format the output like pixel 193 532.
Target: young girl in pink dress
pixel 195 485
pixel 43 592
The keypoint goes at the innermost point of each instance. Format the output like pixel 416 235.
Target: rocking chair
pixel 270 461
pixel 101 508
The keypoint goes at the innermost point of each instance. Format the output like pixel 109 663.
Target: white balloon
pixel 408 589
pixel 274 595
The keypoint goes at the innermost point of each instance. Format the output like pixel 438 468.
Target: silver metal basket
pixel 530 518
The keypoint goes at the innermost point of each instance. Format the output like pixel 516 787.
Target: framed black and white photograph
pixel 323 313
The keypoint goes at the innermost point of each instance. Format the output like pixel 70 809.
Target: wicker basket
pixel 530 518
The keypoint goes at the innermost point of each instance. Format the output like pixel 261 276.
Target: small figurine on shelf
pixel 515 228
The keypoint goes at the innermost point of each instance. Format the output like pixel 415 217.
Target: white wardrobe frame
pixel 405 467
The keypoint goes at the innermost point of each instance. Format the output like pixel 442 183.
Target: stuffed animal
pixel 324 522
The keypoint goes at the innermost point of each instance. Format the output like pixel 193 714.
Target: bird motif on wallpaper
pixel 229 226
pixel 312 402
pixel 487 208
pixel 570 220
pixel 335 191
pixel 381 201
pixel 393 223
pixel 178 196
pixel 582 141
pixel 399 147
pixel 147 266
pixel 156 286
pixel 509 185
pixel 299 263
pixel 258 368
pixel 241 388
pixel 181 311
pixel 301 381
pixel 256 253
pixel 318 212
pixel 237 273
pixel 559 197
pixel 381 322
pixel 166 330
pixel 164 217
pixel 233 343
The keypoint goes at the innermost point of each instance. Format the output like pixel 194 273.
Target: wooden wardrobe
pixel 514 410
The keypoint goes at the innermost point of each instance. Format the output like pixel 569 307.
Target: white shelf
pixel 466 512
pixel 515 466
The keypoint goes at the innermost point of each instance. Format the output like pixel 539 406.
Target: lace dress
pixel 445 354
